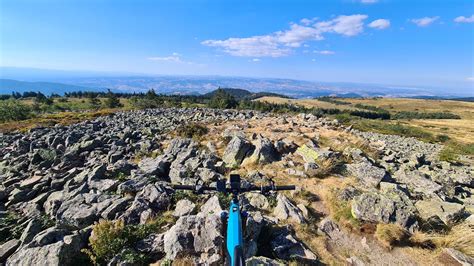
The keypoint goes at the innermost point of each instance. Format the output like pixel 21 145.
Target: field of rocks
pixel 99 192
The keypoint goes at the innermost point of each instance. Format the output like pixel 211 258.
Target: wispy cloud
pixel 324 52
pixel 423 22
pixel 463 19
pixel 174 57
pixel 282 43
pixel 256 60
pixel 380 24
pixel 470 78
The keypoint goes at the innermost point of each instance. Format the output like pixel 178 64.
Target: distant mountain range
pixel 7 86
pixel 60 82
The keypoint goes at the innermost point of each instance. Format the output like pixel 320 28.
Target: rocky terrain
pixel 57 183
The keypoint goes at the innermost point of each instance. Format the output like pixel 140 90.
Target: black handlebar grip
pixel 184 187
pixel 291 187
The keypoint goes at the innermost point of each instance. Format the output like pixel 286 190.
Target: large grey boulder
pixel 286 246
pixel 263 153
pixel 448 212
pixel 134 185
pixel 184 207
pixel 212 206
pixel 152 199
pixel 366 173
pixel 287 210
pixel 179 145
pixel 116 208
pixel 255 201
pixel 390 207
pixel 78 212
pixel 253 227
pixel 259 261
pixel 235 152
pixel 196 236
pixel 153 244
pixel 7 248
pixel 156 166
pixel 418 183
pixel 33 227
pixel 328 227
pixel 459 257
pixel 60 249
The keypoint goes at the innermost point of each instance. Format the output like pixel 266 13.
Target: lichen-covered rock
pixel 183 207
pixel 55 248
pixel 287 210
pixel 448 212
pixel 417 182
pixel 156 166
pixel 198 236
pixel 212 206
pixel 7 248
pixel 258 261
pixel 366 173
pixel 263 153
pixel 390 207
pixel 286 246
pixel 235 152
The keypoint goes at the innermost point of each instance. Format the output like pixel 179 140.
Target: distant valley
pixel 61 82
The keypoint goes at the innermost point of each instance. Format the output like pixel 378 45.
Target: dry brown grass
pixel 460 237
pixel 390 234
pixel 461 130
pixel 464 109
pixel 308 103
pixel 48 120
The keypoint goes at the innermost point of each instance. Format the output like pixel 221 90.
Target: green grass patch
pixel 452 150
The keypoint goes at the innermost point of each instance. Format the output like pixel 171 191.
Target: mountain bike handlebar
pixel 248 189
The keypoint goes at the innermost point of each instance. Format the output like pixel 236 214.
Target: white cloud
pixel 423 22
pixel 463 19
pixel 470 78
pixel 282 43
pixel 307 21
pixel 256 60
pixel 380 24
pixel 369 1
pixel 174 57
pixel 324 52
pixel 313 60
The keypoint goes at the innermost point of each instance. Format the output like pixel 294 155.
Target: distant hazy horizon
pixel 49 81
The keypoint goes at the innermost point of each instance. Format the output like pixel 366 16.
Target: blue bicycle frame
pixel 233 220
pixel 234 235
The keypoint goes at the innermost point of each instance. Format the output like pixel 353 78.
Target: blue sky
pixel 406 43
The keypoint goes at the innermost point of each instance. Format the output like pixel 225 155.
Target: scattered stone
pixel 448 212
pixel 263 153
pixel 212 206
pixel 286 246
pixel 389 207
pixel 366 173
pixel 235 152
pixel 7 248
pixel 184 207
pixel 287 210
pixel 459 257
pixel 258 261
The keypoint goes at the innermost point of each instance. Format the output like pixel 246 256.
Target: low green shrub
pixel 423 115
pixel 193 130
pixel 14 110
